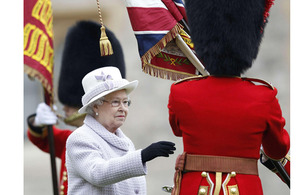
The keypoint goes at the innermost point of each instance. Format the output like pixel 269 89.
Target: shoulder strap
pixel 269 85
pixel 198 77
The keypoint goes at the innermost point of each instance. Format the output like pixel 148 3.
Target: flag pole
pixel 190 55
pixel 38 59
pixel 49 100
pixel 52 159
pixel 188 52
pixel 282 172
pixel 185 26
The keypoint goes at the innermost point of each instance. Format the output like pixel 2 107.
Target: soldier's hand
pixel 44 115
pixel 162 148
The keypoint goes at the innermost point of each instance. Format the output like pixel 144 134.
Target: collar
pixel 118 140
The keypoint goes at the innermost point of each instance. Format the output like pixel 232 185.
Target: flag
pixel 156 23
pixel 38 43
pixel 176 8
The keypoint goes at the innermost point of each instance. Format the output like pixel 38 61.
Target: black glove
pixel 162 148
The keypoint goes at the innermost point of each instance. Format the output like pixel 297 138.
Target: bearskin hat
pixel 80 56
pixel 227 34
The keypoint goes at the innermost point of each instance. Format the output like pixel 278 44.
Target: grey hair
pixel 89 108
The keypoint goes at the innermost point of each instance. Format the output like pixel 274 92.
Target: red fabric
pixel 38 42
pixel 287 167
pixel 173 9
pixel 155 24
pixel 227 116
pixel 268 6
pixel 60 138
pixel 247 184
pixel 150 19
pixel 175 62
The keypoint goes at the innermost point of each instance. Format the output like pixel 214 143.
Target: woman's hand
pixel 161 148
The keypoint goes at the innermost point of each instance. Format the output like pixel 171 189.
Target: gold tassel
pixel 104 43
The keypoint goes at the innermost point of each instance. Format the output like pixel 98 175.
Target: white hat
pixel 101 82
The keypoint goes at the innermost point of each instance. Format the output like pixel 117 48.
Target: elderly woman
pixel 100 159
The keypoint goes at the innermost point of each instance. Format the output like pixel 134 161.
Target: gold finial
pixel 104 43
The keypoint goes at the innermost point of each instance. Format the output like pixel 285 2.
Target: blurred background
pixel 147 121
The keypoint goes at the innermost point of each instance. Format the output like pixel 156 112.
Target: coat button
pixel 202 191
pixel 204 174
pixel 136 191
pixel 233 174
pixel 233 190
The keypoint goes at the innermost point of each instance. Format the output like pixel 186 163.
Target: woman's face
pixel 112 117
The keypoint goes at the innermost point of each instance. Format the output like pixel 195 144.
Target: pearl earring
pixel 97 114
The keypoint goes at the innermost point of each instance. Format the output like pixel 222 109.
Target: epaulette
pixel 190 78
pixel 75 119
pixel 267 84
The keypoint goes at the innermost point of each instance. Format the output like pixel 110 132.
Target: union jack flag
pixel 156 23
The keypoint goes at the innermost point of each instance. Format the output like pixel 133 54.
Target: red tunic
pixel 227 116
pixel 60 138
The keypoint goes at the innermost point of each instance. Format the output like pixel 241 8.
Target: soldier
pixel 224 119
pixel 81 55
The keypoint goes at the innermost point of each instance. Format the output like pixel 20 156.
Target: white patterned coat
pixel 100 162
